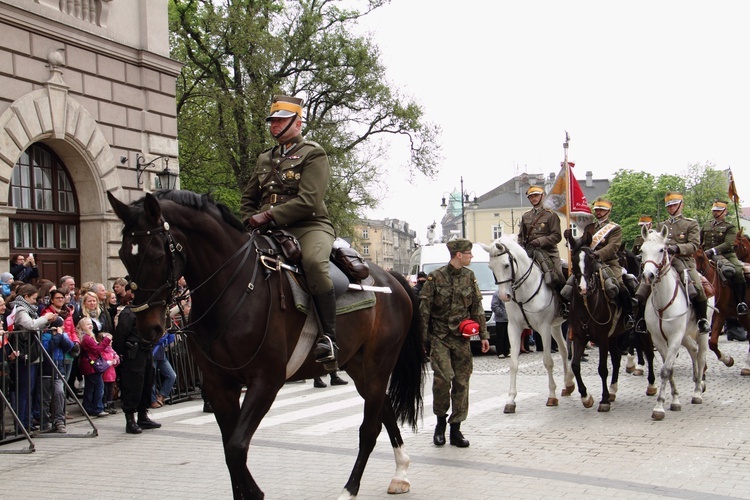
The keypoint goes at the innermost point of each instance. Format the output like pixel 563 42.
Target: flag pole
pixel 568 197
pixel 734 196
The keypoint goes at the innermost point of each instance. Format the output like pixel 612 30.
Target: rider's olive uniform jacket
pixel 543 225
pixel 719 235
pixel 292 185
pixel 685 233
pixel 448 297
pixel 609 246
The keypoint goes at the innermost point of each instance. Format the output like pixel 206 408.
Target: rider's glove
pixel 673 249
pixel 261 219
pixel 711 252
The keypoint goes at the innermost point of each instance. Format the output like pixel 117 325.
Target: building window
pixel 46 218
pixel 365 234
pixel 365 249
pixel 497 231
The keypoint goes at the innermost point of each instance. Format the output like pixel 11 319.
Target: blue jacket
pixel 57 346
pixel 161 346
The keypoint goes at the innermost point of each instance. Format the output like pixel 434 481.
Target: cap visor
pixel 282 113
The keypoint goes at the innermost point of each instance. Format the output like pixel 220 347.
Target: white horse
pixel 671 320
pixel 530 303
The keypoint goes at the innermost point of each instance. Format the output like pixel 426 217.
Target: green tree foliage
pixel 640 193
pixel 239 53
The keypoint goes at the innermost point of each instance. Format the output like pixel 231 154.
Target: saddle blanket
pixel 353 300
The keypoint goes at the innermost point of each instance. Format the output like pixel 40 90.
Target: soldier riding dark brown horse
pixel 244 327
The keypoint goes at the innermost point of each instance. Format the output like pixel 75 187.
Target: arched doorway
pixel 46 222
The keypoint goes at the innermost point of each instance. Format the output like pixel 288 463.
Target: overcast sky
pixel 650 86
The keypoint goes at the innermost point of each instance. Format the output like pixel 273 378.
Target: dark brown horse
pixel 593 317
pixel 244 326
pixel 724 307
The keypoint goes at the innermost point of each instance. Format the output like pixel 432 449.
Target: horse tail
pixel 407 379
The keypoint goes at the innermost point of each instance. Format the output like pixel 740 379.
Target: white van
pixel 430 257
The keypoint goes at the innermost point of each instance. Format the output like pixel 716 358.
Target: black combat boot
pixel 739 290
pixel 145 422
pixel 700 311
pixel 318 382
pixel 641 296
pixel 326 349
pixel 336 380
pixel 458 439
pixel 439 437
pixel 131 427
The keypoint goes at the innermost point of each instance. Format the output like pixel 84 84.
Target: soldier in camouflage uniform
pixel 449 296
pixel 717 241
pixel 683 240
pixel 288 188
pixel 643 221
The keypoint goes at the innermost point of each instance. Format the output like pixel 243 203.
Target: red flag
pixel 733 189
pixel 556 199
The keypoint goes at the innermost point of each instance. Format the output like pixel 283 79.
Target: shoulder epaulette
pixel 312 143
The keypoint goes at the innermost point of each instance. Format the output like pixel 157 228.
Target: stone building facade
pixel 85 87
pixel 388 243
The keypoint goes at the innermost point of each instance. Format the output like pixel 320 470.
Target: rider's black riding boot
pixel 439 437
pixel 641 295
pixel 627 308
pixel 700 311
pixel 456 438
pixel 739 290
pixel 326 349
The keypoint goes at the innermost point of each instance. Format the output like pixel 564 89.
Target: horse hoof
pixel 730 363
pixel 637 372
pixel 399 486
pixel 745 372
pixel 657 415
pixel 588 402
pixel 509 408
pixel 696 400
pixel 629 369
pixel 568 390
pixel 675 407
pixel 650 391
pixel 552 401
pixel 603 407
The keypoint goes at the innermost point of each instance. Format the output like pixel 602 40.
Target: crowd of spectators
pixel 75 326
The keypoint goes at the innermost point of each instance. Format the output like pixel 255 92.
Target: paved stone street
pixel 307 444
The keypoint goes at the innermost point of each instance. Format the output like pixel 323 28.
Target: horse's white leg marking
pixel 399 482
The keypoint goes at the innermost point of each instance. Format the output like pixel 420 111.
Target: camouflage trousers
pixel 452 364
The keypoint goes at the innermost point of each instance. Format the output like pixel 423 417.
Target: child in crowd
pixel 93 391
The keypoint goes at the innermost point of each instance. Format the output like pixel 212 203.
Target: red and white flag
pixel 556 200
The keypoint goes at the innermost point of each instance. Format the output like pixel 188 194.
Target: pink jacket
pixel 110 355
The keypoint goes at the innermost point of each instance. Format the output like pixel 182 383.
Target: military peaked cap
pixel 284 106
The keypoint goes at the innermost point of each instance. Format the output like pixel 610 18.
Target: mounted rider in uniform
pixel 539 234
pixel 606 242
pixel 288 188
pixel 717 241
pixel 683 240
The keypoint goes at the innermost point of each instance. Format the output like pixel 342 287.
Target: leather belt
pixel 275 199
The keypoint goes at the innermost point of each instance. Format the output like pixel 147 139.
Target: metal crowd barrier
pixel 189 379
pixel 15 385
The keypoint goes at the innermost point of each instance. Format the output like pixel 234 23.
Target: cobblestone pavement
pixel 307 444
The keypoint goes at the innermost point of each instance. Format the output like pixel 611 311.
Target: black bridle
pixel 173 250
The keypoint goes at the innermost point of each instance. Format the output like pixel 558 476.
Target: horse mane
pixel 201 202
pixel 507 241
